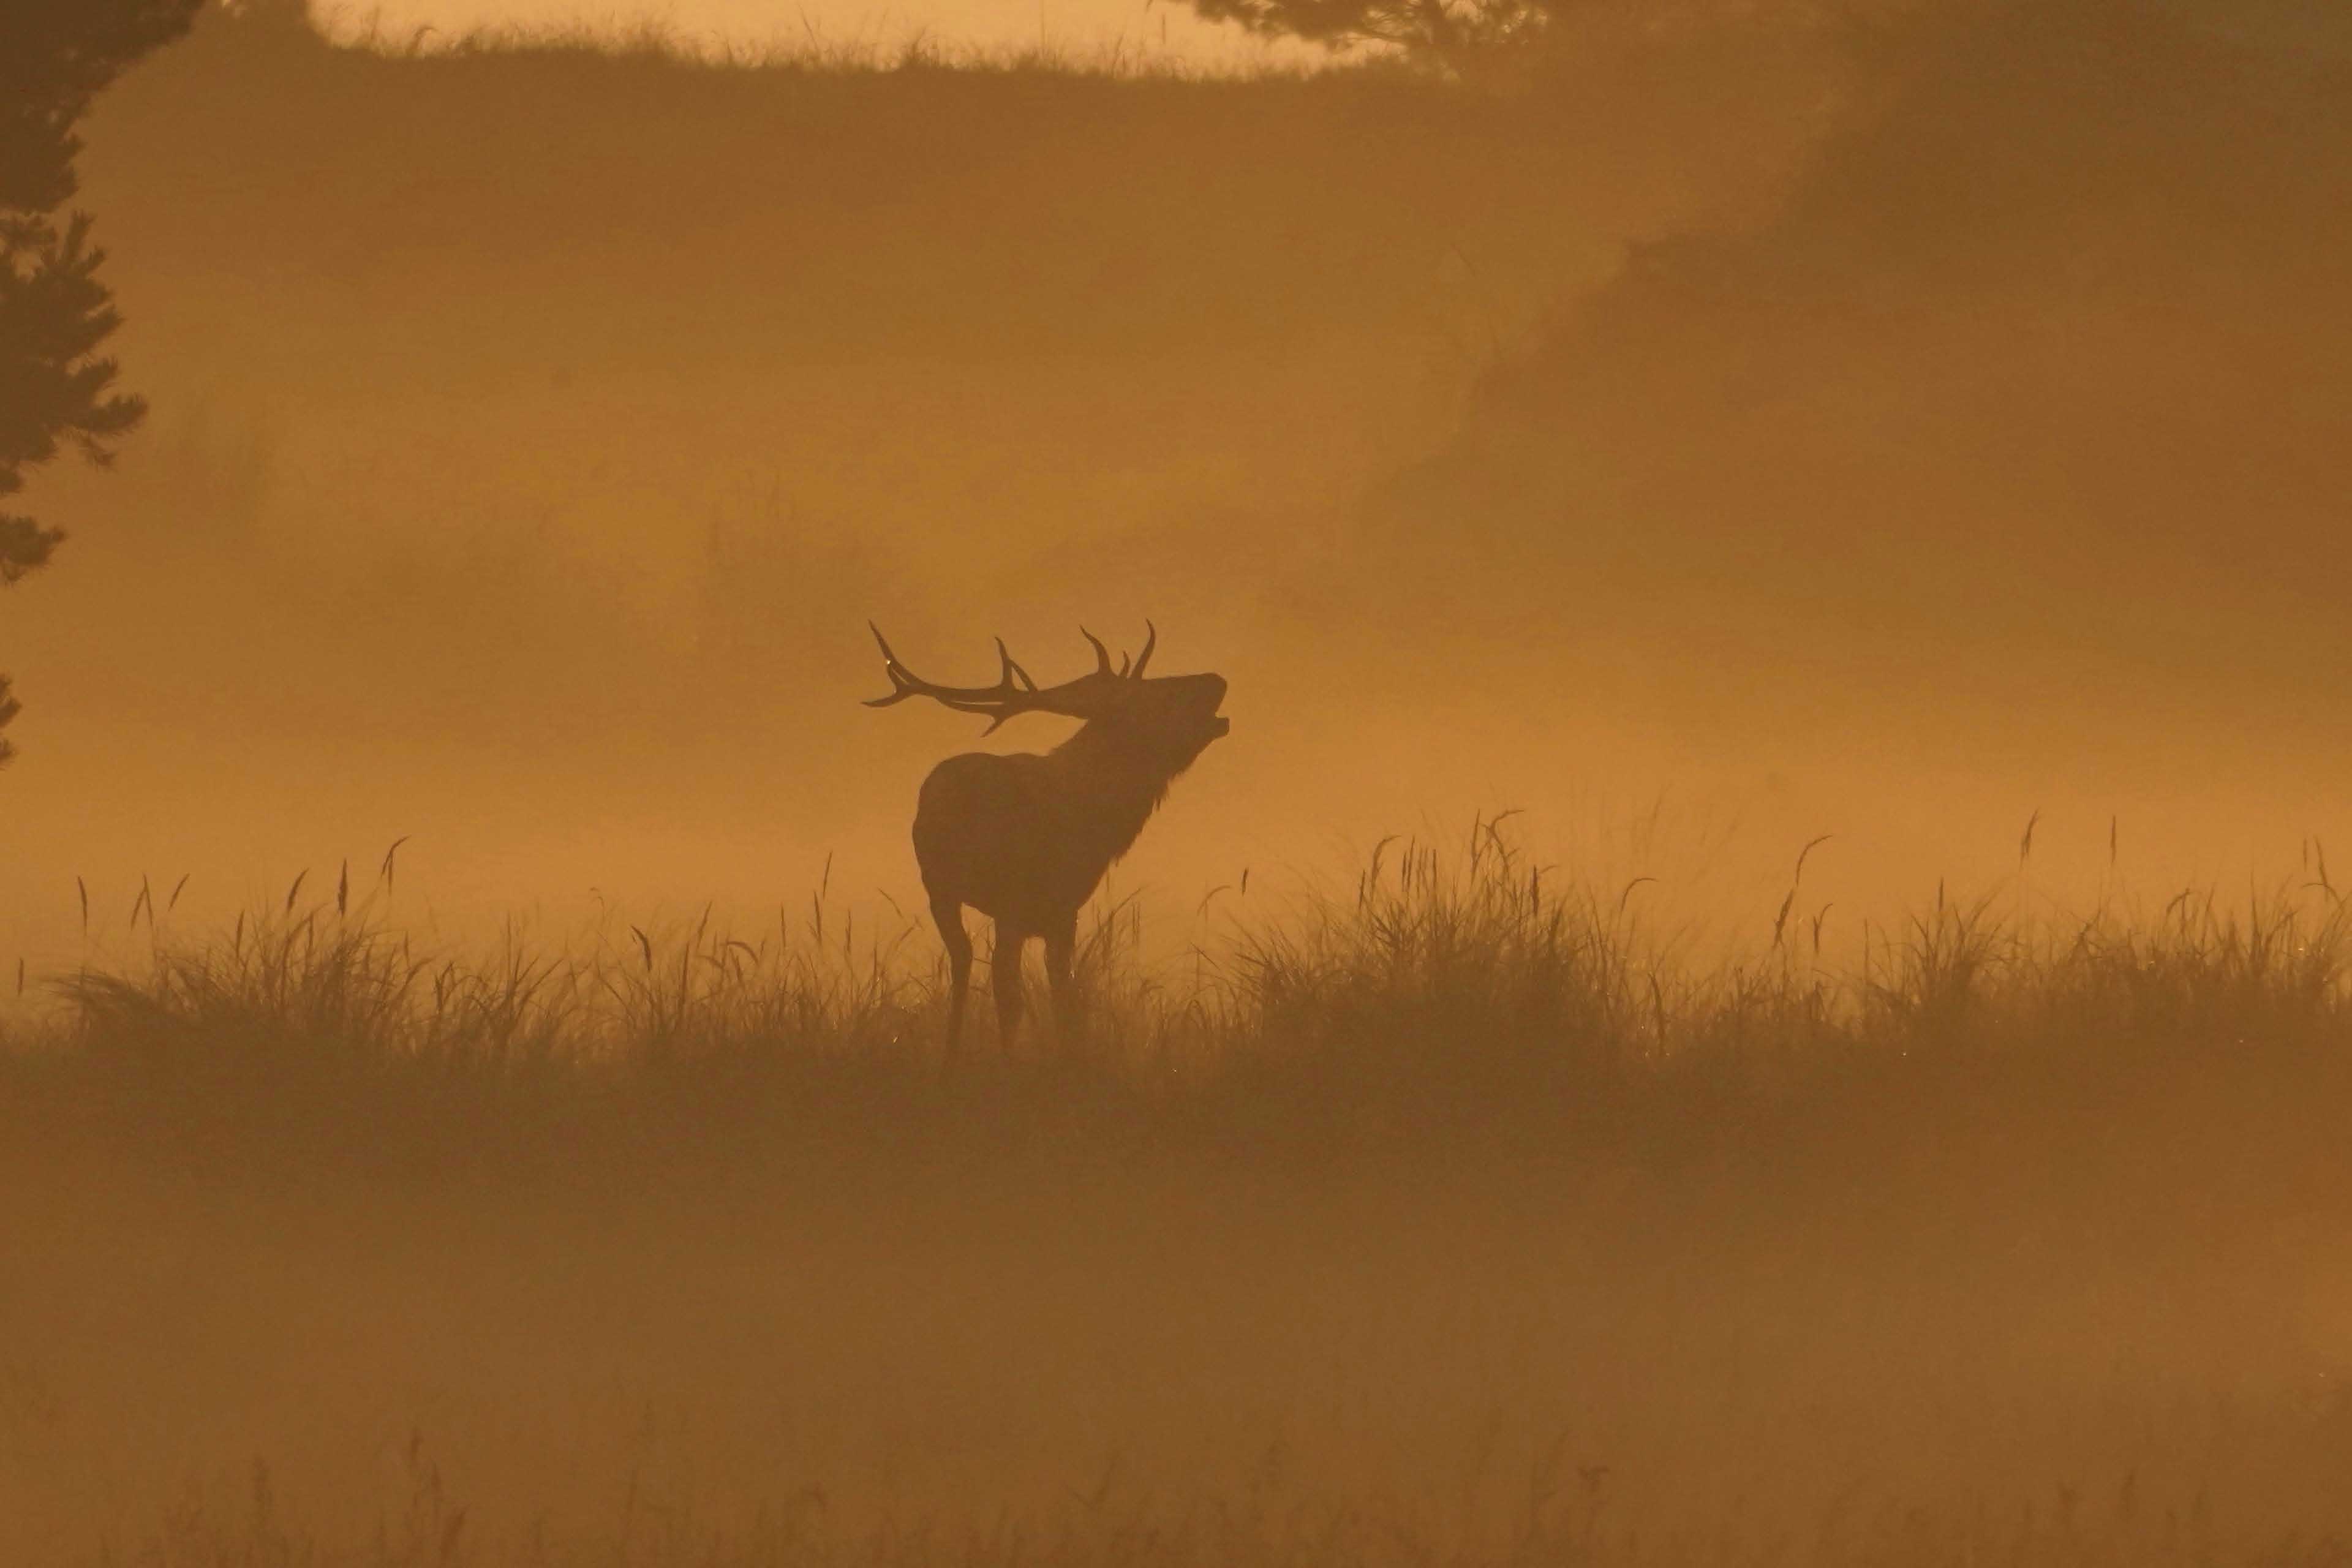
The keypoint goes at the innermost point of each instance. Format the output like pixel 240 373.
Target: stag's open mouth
pixel 1220 726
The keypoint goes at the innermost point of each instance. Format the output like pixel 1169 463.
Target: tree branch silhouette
pixel 56 390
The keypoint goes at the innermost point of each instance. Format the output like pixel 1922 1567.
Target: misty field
pixel 1876 497
pixel 1448 1215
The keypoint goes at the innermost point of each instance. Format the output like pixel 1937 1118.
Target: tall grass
pixel 1443 988
pixel 1563 1517
pixel 1428 950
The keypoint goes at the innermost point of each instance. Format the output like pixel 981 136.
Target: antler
pixel 1102 653
pixel 1014 691
pixel 1128 668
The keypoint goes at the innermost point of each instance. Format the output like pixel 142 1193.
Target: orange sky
pixel 1068 23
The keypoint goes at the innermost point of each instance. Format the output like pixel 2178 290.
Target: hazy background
pixel 1928 433
pixel 535 432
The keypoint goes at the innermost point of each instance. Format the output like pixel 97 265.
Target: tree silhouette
pixel 1451 34
pixel 1475 37
pixel 1497 41
pixel 55 389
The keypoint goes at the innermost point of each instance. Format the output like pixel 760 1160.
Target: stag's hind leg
pixel 948 915
pixel 1005 978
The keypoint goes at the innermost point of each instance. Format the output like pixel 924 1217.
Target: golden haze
pixel 1930 442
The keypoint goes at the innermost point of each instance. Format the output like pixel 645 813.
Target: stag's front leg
pixel 949 915
pixel 1061 951
pixel 1004 971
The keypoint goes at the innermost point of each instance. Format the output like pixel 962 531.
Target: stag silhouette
pixel 1026 839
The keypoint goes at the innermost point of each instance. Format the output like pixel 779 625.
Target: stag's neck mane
pixel 1116 780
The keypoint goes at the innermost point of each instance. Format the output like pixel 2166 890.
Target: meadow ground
pixel 1714 457
pixel 1451 1218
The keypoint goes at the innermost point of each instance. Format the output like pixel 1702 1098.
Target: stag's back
pixel 1027 839
pixel 995 832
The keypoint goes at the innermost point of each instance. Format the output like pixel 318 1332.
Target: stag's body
pixel 1027 839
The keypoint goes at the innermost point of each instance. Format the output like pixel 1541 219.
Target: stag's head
pixel 1172 718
